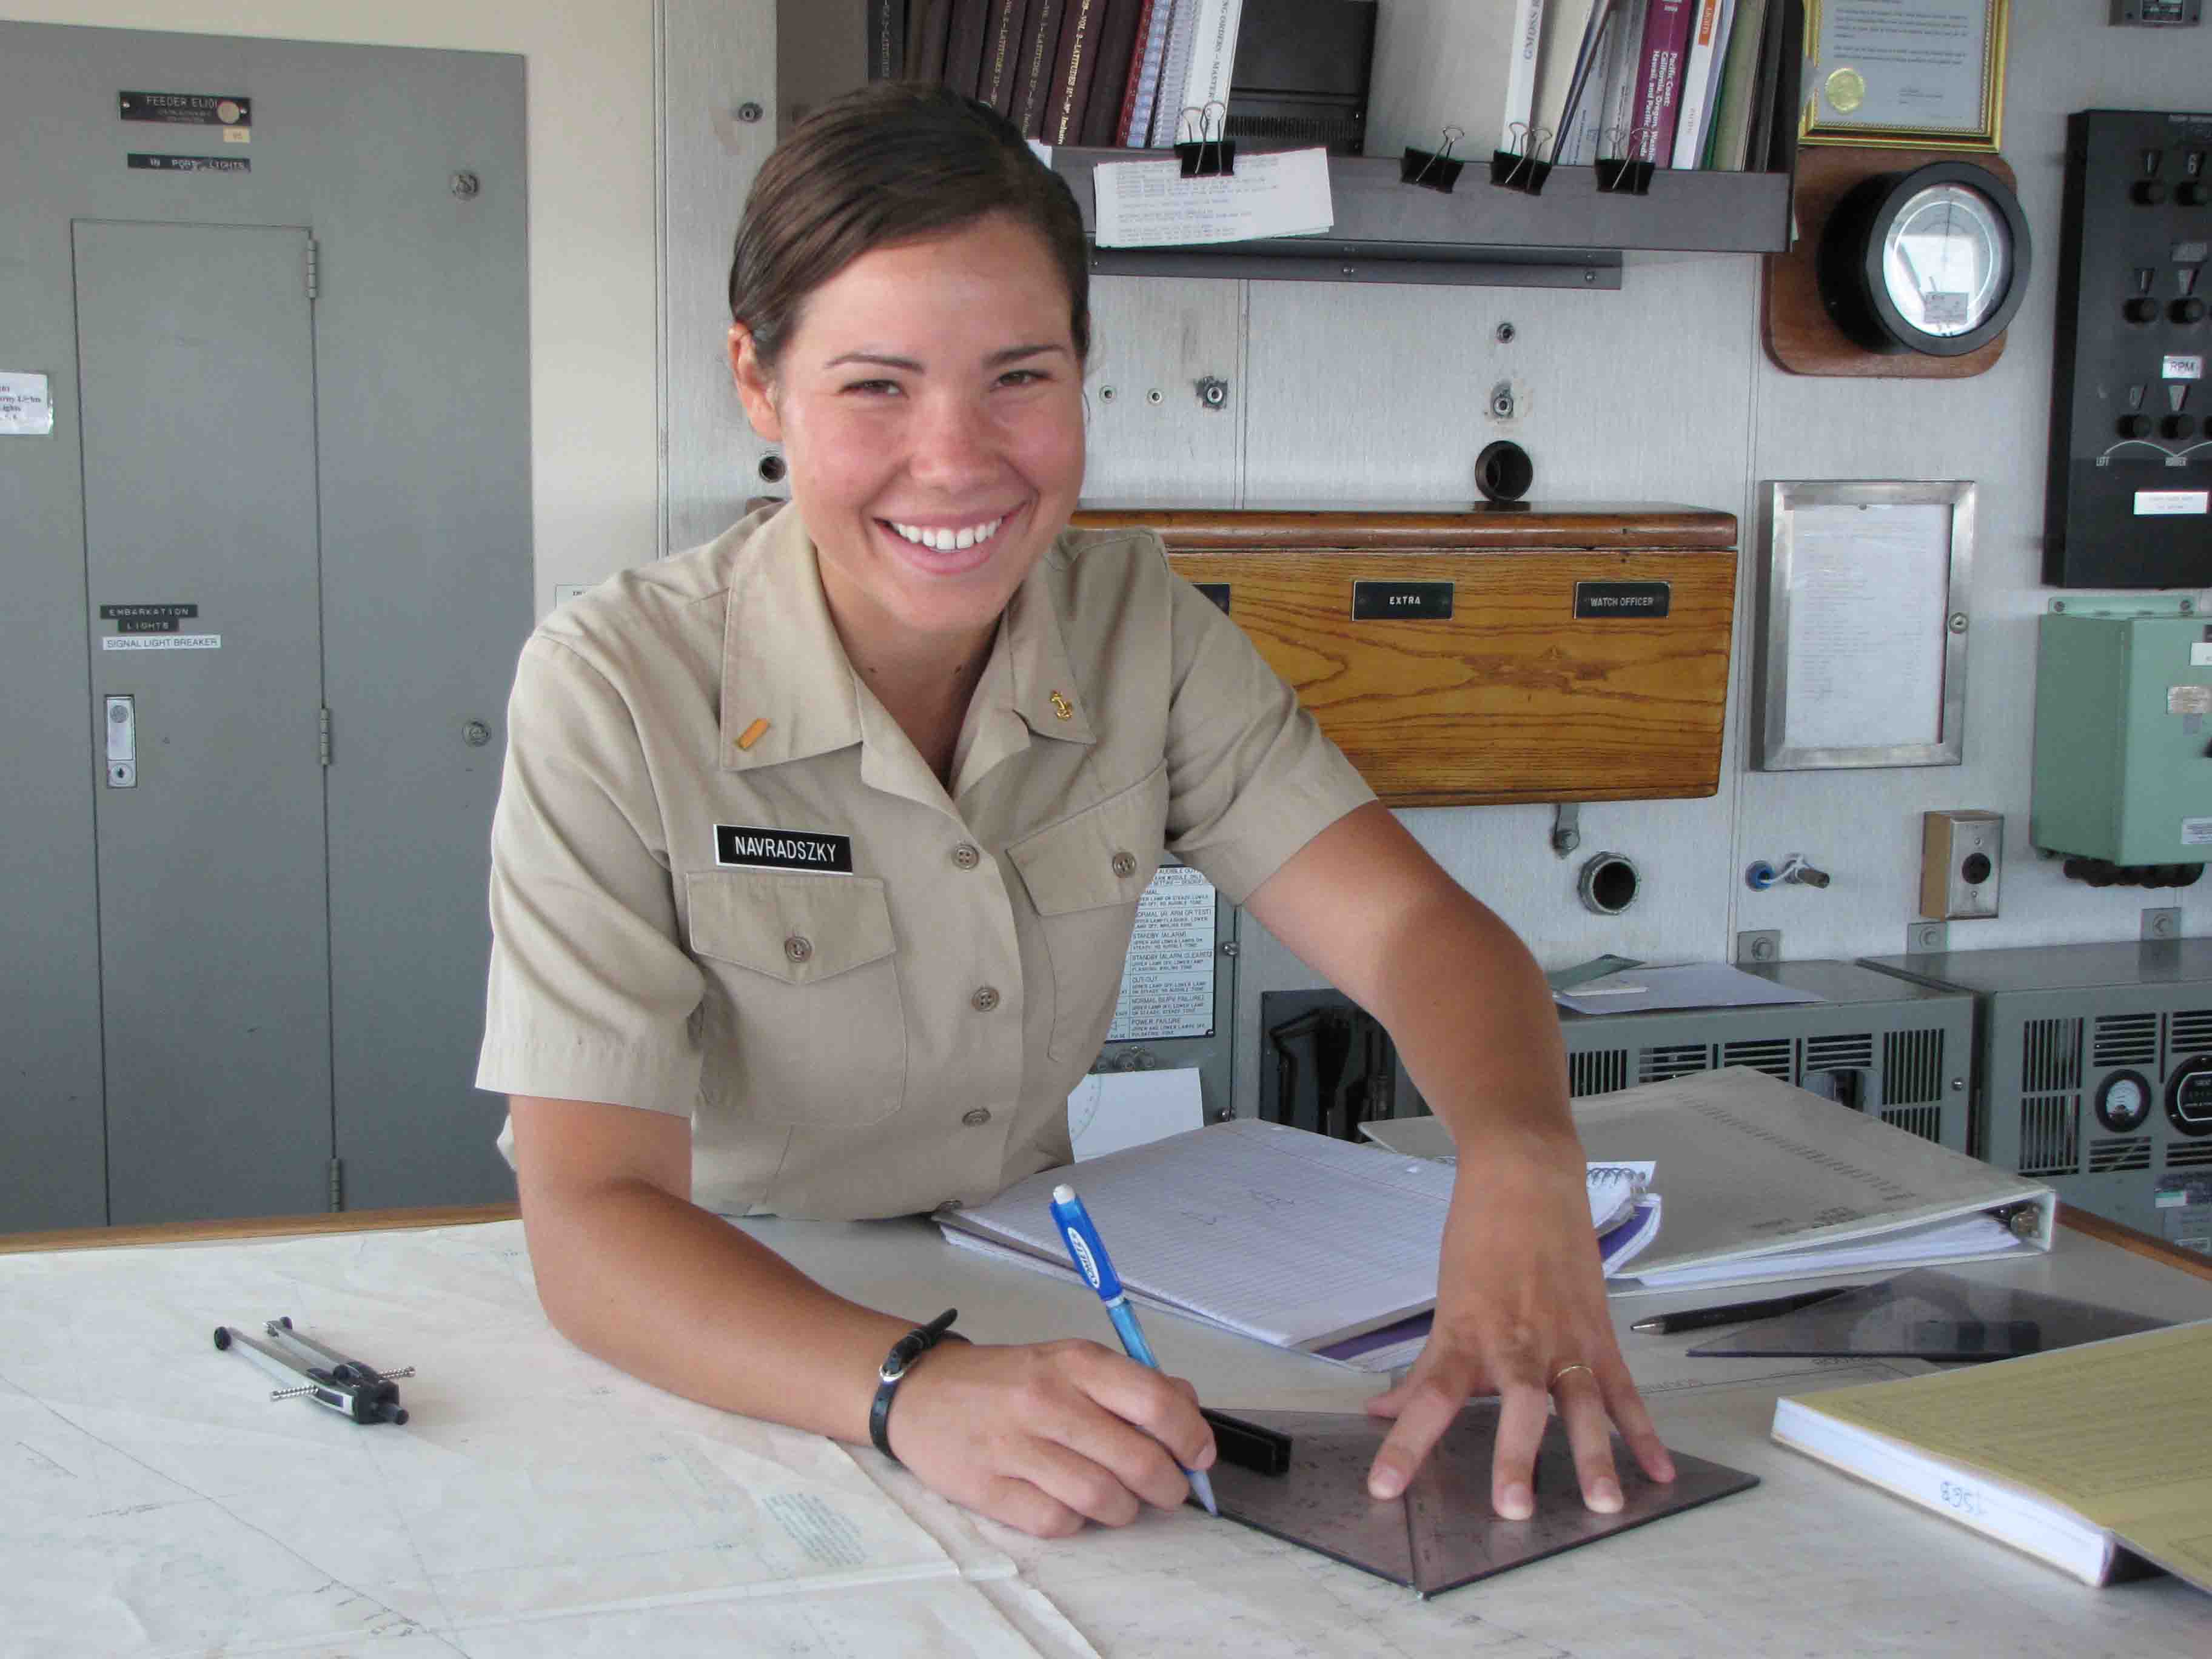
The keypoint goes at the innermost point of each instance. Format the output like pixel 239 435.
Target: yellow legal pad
pixel 2071 1455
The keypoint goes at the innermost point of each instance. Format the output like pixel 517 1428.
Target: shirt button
pixel 985 1000
pixel 977 1117
pixel 966 857
pixel 1125 864
pixel 799 947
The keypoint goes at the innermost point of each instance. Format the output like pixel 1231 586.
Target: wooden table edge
pixel 274 1226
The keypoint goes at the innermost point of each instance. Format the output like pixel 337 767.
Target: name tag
pixel 737 846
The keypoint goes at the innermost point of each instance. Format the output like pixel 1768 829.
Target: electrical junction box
pixel 1900 1051
pixel 2124 735
pixel 2093 1072
pixel 1959 853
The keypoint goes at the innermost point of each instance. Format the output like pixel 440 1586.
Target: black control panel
pixel 2130 501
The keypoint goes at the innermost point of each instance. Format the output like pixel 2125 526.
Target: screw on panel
pixel 1214 392
pixel 750 112
pixel 1105 394
pixel 1501 400
pixel 1228 947
pixel 466 186
pixel 1155 396
pixel 1504 334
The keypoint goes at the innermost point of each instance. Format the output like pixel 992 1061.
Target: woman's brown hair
pixel 891 163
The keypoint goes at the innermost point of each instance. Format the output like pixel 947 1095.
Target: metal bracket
pixel 2161 922
pixel 1567 828
pixel 1758 945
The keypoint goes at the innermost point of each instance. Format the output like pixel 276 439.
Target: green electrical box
pixel 2124 735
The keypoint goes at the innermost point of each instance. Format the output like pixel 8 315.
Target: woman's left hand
pixel 1521 1312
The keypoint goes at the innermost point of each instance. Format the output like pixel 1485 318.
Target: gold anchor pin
pixel 1061 707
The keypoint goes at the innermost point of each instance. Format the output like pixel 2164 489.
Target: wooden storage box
pixel 1584 656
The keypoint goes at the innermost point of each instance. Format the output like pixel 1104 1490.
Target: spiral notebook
pixel 1299 1240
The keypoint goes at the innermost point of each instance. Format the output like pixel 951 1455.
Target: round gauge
pixel 1935 260
pixel 2123 1102
pixel 2189 1095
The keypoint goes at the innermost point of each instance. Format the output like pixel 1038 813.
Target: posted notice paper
pixel 1152 204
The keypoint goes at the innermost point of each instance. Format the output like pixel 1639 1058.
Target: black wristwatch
pixel 896 1364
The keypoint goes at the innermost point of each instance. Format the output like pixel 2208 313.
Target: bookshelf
pixel 1572 236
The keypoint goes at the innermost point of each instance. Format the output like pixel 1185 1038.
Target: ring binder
pixel 1203 157
pixel 1433 169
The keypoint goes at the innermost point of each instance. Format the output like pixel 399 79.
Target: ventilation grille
pixel 2189 1033
pixel 2125 1040
pixel 1679 1060
pixel 1926 1121
pixel 1839 1054
pixel 1600 1071
pixel 2049 1134
pixel 1772 1055
pixel 2193 1156
pixel 2050 1056
pixel 1911 1067
pixel 2110 1157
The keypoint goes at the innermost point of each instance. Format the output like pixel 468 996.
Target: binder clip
pixel 312 1371
pixel 1433 169
pixel 1517 167
pixel 1204 157
pixel 1626 174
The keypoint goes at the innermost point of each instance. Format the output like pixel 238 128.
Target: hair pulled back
pixel 892 162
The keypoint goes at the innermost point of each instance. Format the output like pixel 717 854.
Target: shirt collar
pixel 782 663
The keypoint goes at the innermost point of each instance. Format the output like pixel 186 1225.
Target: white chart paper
pixel 27 405
pixel 1109 1111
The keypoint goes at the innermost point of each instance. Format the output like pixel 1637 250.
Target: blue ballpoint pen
pixel 1088 1252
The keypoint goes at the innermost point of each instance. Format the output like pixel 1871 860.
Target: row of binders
pixel 1106 73
pixel 1669 83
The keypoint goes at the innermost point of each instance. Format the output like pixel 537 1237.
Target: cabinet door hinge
pixel 338 1185
pixel 314 272
pixel 323 730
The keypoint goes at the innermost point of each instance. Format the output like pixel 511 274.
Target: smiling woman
pixel 819 848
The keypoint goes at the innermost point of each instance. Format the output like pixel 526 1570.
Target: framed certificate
pixel 1911 73
pixel 1863 636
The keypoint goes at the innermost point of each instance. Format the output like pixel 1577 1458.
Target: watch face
pixel 1947 260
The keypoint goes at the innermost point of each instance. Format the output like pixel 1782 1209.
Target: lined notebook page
pixel 1286 1235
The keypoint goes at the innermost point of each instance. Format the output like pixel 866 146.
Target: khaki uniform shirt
pixel 870 996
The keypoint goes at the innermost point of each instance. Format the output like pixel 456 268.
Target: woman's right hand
pixel 1045 1436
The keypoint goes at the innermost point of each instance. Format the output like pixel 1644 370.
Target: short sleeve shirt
pixel 870 995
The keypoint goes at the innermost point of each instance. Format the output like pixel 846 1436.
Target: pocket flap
pixel 797 928
pixel 1078 863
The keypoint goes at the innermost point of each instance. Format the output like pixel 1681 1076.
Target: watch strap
pixel 896 1364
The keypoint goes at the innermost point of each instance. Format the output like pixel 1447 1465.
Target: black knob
pixel 2134 426
pixel 2148 192
pixel 2192 194
pixel 2178 426
pixel 2188 310
pixel 2141 310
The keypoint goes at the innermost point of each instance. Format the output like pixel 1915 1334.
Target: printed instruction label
pixel 2196 832
pixel 2170 504
pixel 162 642
pixel 27 405
pixel 186 109
pixel 138 163
pixel 1167 981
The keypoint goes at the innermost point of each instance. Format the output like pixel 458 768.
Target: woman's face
pixel 930 407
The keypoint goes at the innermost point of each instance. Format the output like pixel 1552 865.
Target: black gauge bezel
pixel 2195 1066
pixel 1849 263
pixel 2105 1093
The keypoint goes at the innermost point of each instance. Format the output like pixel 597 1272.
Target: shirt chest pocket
pixel 1084 876
pixel 804 1023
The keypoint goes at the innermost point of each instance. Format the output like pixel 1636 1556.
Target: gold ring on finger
pixel 1564 1370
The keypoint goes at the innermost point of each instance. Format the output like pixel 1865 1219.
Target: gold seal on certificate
pixel 1846 90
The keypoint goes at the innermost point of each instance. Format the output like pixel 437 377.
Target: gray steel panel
pixel 2057 967
pixel 195 368
pixel 422 345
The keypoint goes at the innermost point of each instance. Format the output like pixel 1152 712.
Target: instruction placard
pixel 27 405
pixel 1167 981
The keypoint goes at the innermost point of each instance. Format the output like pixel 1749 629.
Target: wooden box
pixel 1585 656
